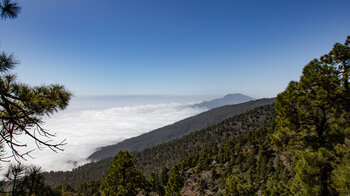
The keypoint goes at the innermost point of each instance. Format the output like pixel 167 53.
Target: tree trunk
pixel 325 171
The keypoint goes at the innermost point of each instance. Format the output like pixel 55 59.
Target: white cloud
pixel 86 129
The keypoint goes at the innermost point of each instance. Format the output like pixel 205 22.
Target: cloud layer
pixel 86 128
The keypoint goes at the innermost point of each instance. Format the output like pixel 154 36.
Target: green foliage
pixel 175 182
pixel 235 185
pixel 312 121
pixel 68 187
pixel 164 176
pixel 86 173
pixel 170 153
pixel 21 106
pixel 339 57
pixel 89 189
pixel 123 177
pixel 220 176
pixel 309 166
pixel 340 177
pixel 156 185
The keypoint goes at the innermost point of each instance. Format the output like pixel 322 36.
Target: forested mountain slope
pixel 153 159
pixel 299 147
pixel 178 129
pixel 243 165
pixel 167 154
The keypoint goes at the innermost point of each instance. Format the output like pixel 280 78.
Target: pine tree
pixel 33 181
pixel 21 106
pixel 236 185
pixel 123 177
pixel 310 124
pixel 164 176
pixel 9 10
pixel 14 177
pixel 175 182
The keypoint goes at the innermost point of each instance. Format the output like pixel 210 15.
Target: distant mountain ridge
pixel 229 99
pixel 178 129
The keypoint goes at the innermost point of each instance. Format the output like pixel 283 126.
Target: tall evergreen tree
pixel 175 182
pixel 309 122
pixel 123 177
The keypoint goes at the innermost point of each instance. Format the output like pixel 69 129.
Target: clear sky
pixel 171 47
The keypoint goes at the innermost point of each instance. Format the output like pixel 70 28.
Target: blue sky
pixel 171 47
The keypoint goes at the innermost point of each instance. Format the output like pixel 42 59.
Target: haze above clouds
pixel 92 122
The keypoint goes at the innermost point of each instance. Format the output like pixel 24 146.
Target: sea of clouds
pixel 92 122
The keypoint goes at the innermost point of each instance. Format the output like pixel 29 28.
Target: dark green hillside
pixel 178 129
pixel 85 173
pixel 243 165
pixel 168 154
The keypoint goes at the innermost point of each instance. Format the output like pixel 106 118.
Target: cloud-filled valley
pixel 86 126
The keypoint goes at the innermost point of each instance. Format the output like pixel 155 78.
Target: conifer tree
pixel 235 185
pixel 33 181
pixel 14 177
pixel 164 176
pixel 22 106
pixel 175 182
pixel 9 10
pixel 310 121
pixel 123 177
pixel 25 180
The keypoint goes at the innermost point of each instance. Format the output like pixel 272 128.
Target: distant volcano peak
pixel 228 99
